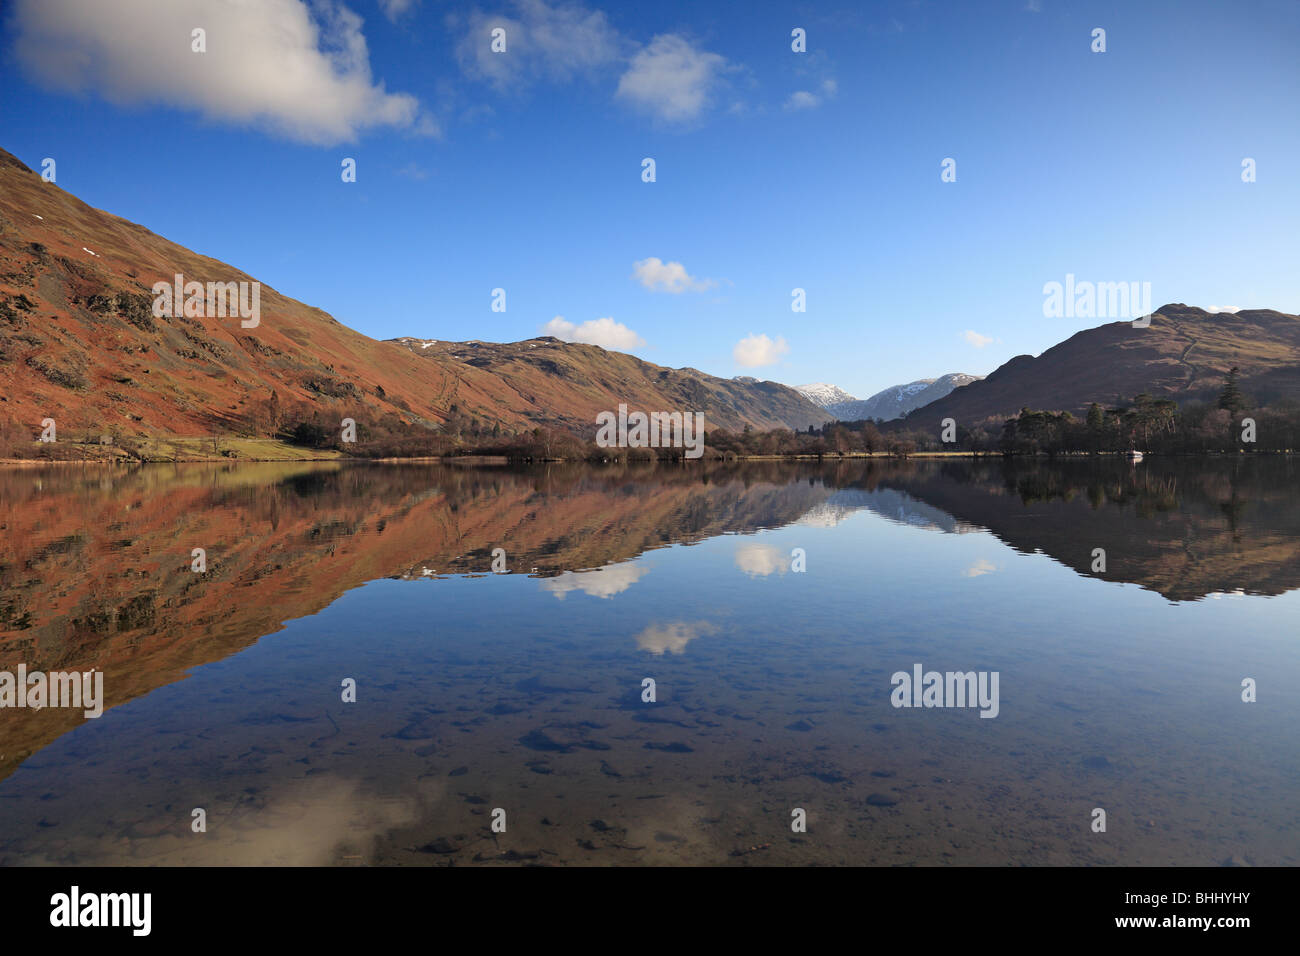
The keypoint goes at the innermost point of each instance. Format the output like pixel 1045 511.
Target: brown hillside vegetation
pixel 1184 355
pixel 79 343
pixel 576 382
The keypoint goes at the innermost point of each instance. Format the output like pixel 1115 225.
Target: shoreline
pixel 498 460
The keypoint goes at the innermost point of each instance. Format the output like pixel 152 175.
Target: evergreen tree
pixel 1231 398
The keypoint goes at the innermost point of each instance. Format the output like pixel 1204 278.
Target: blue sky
pixel 821 170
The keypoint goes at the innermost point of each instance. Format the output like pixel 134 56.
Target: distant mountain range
pixel 888 404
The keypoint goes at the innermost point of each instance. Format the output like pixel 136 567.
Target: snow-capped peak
pixel 887 404
pixel 824 394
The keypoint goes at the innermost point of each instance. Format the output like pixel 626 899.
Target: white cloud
pixel 605 332
pixel 980 567
pixel 805 100
pixel 657 275
pixel 755 350
pixel 1223 308
pixel 393 9
pixel 299 72
pixel 672 80
pixel 759 560
pixel 542 42
pixel 977 340
pixel 602 582
pixel 671 638
pixel 802 100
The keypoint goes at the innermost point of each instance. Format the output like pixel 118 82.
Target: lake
pixel 499 626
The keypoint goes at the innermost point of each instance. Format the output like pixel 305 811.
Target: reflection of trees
pixel 1234 509
pixel 1183 527
pixel 1096 495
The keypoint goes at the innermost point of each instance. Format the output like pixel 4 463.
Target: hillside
pixel 79 343
pixel 1183 356
pixel 566 384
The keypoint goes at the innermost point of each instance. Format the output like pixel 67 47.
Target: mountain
pixel 897 400
pixel 566 384
pixel 893 402
pixel 1183 355
pixel 824 395
pixel 79 343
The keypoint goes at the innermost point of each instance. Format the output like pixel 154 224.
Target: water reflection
pixel 523 690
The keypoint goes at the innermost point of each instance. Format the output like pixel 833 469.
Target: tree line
pixel 1233 423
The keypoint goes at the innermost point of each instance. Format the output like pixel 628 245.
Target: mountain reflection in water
pixel 523 690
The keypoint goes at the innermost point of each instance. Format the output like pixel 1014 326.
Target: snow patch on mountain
pixel 887 404
pixel 824 394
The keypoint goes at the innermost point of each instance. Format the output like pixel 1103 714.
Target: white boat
pixel 1135 456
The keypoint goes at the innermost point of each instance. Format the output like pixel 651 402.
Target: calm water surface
pixel 1119 688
